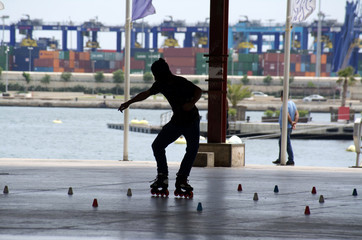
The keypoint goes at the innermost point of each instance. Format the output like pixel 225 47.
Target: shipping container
pixel 183 70
pixel 43 69
pixel 181 61
pixel 179 52
pixel 49 54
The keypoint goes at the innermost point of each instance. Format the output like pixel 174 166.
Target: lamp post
pixel 3 19
pixel 30 49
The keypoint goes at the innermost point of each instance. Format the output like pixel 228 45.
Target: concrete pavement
pixel 38 205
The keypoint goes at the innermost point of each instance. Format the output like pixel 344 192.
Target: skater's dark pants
pixel 169 133
pixel 289 146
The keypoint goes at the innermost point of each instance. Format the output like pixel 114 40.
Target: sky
pixel 112 12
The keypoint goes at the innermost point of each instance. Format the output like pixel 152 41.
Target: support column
pixel 119 41
pixel 65 40
pixel 80 41
pixel 218 70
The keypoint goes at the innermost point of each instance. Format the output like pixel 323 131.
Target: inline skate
pixel 183 189
pixel 160 185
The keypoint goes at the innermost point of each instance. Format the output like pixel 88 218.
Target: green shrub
pixel 310 84
pixel 147 77
pixel 45 79
pixel 118 76
pixel 99 76
pixel 303 113
pixel 269 113
pixel 245 80
pixel 267 80
pixel 66 76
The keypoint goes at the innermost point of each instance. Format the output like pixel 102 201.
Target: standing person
pixel 293 117
pixel 182 95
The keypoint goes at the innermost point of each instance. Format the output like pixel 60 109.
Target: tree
pixel 66 76
pixel 347 77
pixel 27 79
pixel 245 80
pixel 99 77
pixel 118 76
pixel 267 80
pixel 46 79
pixel 236 93
pixel 147 77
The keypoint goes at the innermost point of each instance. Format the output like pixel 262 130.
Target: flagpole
pixel 283 148
pixel 127 78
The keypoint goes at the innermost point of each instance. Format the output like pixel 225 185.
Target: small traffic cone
pixel 276 189
pixel 314 190
pixel 307 211
pixel 95 203
pixel 321 199
pixel 240 188
pixel 6 190
pixel 129 192
pixel 354 192
pixel 199 207
pixel 255 198
pixel 70 191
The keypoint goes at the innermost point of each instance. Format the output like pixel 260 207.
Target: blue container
pixel 44 69
pixel 302 67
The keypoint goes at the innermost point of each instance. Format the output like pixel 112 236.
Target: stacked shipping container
pixel 300 65
pixel 180 60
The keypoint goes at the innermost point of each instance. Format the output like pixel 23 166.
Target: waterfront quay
pixel 251 202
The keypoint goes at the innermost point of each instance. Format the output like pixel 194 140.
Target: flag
pixel 301 9
pixel 141 9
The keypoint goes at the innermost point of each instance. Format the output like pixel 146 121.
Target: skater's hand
pixel 123 106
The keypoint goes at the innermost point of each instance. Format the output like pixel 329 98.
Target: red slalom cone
pixel 95 203
pixel 307 211
pixel 314 190
pixel 240 188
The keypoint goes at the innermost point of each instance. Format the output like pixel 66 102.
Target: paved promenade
pixel 38 205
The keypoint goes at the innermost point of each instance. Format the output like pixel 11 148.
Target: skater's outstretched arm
pixel 139 97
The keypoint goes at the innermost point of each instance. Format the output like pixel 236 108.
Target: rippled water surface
pixel 28 132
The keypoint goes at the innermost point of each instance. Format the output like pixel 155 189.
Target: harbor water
pixel 82 133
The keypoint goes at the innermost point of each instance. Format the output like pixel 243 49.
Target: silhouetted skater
pixel 182 95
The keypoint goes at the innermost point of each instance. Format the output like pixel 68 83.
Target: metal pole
pixel 127 80
pixel 7 67
pixel 319 50
pixel 283 148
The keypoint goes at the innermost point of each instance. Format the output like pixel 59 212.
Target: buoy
pixel 240 188
pixel 255 198
pixel 199 207
pixel 70 191
pixel 180 140
pixel 307 210
pixel 354 192
pixel 6 190
pixel 276 189
pixel 321 199
pixel 95 203
pixel 235 140
pixel 351 148
pixel 57 121
pixel 129 192
pixel 314 190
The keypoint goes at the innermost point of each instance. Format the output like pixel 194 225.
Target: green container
pixel 147 56
pixel 64 55
pixel 97 55
pixel 243 57
pixel 109 56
